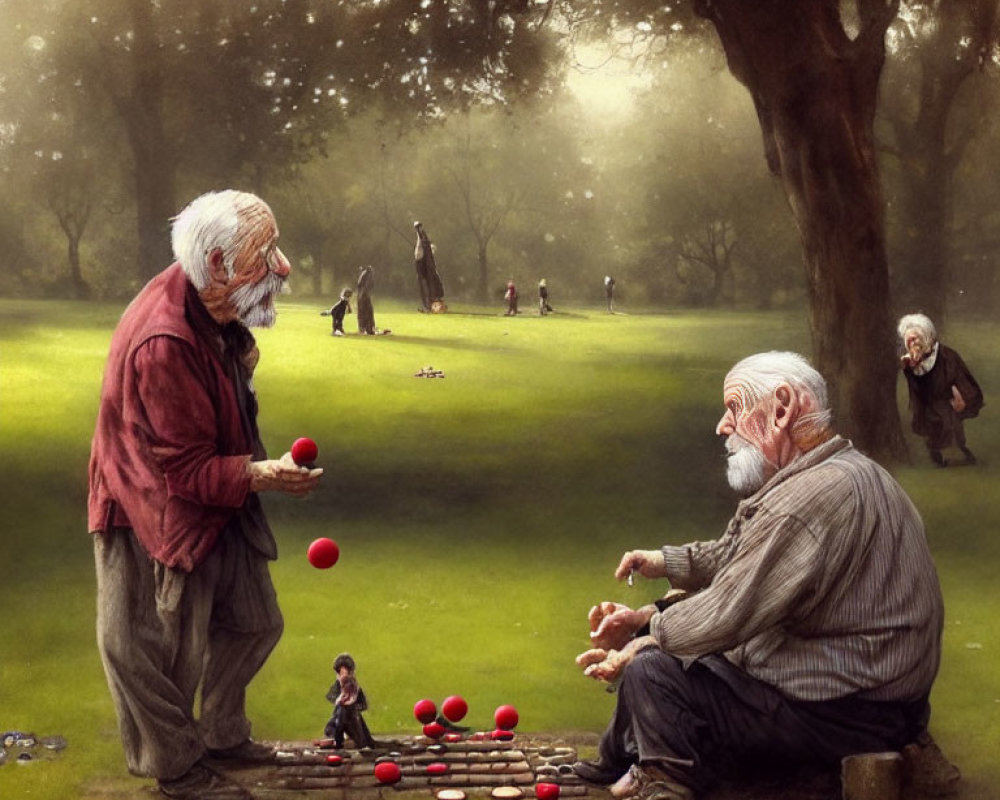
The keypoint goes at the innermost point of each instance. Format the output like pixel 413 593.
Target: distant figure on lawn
pixel 338 310
pixel 185 604
pixel 543 298
pixel 349 702
pixel 609 293
pixel 943 392
pixel 510 296
pixel 428 279
pixel 812 630
pixel 366 311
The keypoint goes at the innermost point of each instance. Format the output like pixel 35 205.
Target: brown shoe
pixel 202 783
pixel 648 782
pixel 248 752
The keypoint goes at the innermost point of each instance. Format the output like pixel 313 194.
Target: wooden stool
pixel 872 776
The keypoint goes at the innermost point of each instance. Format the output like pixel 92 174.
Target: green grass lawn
pixel 479 516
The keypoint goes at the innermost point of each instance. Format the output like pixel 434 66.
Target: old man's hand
pixel 612 625
pixel 607 665
pixel 283 475
pixel 648 563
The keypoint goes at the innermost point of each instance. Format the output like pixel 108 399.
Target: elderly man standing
pixel 813 626
pixel 942 390
pixel 185 599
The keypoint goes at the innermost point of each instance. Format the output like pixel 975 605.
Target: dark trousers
pixel 711 721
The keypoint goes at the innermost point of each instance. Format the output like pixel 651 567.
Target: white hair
pixel 918 322
pixel 759 375
pixel 207 223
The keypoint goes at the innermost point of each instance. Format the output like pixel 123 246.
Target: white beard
pixel 746 467
pixel 255 302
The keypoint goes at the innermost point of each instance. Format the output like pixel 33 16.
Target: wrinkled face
pixel 750 447
pixel 259 269
pixel 917 344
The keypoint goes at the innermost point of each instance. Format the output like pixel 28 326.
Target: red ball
pixel 334 759
pixel 433 730
pixel 323 553
pixel 500 735
pixel 425 711
pixel 505 718
pixel 437 768
pixel 388 772
pixel 454 708
pixel 546 791
pixel 304 451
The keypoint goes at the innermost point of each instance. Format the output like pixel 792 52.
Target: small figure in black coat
pixel 943 392
pixel 337 311
pixel 349 701
pixel 543 298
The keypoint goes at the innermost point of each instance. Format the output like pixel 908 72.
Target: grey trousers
pixel 163 633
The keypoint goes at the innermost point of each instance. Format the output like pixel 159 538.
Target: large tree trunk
pixel 815 91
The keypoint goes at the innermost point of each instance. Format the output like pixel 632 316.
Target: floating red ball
pixel 506 717
pixel 425 711
pixel 433 730
pixel 388 772
pixel 454 708
pixel 323 553
pixel 546 791
pixel 304 451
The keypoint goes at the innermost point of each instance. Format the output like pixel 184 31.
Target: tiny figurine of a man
pixel 349 701
pixel 337 311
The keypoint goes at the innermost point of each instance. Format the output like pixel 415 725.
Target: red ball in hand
pixel 425 711
pixel 505 718
pixel 323 553
pixel 388 772
pixel 454 708
pixel 304 451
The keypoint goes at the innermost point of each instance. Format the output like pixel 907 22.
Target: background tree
pixel 933 108
pixel 813 77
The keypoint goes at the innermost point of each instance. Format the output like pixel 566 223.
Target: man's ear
pixel 786 407
pixel 217 267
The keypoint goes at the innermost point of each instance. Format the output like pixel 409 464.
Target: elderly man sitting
pixel 813 626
